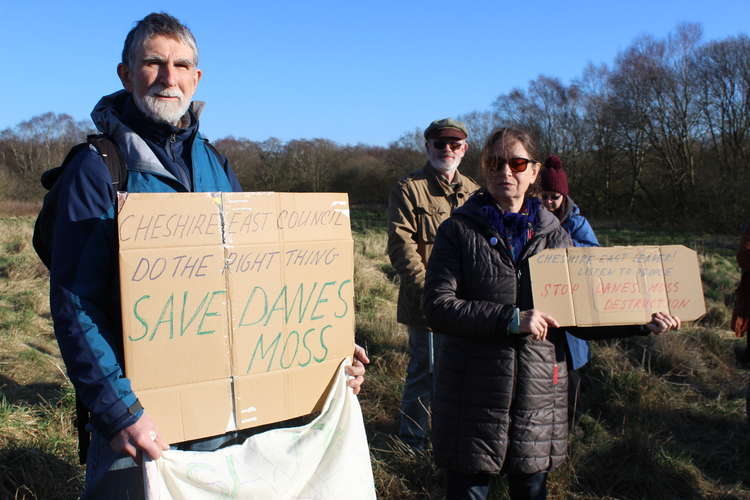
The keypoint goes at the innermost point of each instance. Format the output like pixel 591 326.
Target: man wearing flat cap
pixel 417 205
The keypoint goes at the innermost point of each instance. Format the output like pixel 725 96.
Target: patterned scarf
pixel 516 228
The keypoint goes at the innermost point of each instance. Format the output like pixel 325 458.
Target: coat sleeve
pixel 446 311
pixel 84 295
pixel 581 232
pixel 402 239
pixel 741 310
pixel 743 254
pixel 608 332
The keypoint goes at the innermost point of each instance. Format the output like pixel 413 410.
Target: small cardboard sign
pixel 237 308
pixel 591 286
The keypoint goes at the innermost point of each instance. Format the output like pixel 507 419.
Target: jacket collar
pixel 569 209
pixel 147 128
pixel 117 116
pixel 546 222
pixel 438 181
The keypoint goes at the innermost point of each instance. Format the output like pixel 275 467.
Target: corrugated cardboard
pixel 237 307
pixel 590 286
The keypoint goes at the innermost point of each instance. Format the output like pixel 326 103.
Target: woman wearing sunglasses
pixel 501 399
pixel 556 197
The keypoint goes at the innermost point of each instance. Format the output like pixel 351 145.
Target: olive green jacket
pixel 417 205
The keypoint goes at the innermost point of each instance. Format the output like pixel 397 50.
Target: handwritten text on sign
pixel 238 303
pixel 617 285
pixel 177 226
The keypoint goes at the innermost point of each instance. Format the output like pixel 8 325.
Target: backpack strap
pixel 212 148
pixel 111 156
pixel 217 154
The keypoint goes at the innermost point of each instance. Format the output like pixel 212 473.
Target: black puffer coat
pixel 501 399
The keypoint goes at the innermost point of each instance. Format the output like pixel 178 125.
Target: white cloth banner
pixel 325 459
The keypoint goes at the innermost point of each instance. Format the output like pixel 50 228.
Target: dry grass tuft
pixel 17 258
pixel 375 295
pixel 23 267
pixel 642 469
pixel 38 443
pixel 19 208
pixel 16 231
pixel 720 276
pixel 403 473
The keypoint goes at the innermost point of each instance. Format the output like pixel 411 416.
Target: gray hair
pixel 154 24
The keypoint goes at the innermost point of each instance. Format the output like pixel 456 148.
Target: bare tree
pixel 723 70
pixel 40 143
pixel 413 140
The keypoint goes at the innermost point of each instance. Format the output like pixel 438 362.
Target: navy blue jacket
pixel 84 286
pixel 582 235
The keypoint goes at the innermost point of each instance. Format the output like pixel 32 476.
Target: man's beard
pixel 162 111
pixel 445 167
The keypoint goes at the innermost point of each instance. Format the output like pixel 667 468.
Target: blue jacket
pixel 84 287
pixel 577 226
pixel 583 236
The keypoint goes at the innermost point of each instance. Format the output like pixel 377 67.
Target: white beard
pixel 445 167
pixel 160 111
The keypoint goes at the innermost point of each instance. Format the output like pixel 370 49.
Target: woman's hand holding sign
pixel 663 322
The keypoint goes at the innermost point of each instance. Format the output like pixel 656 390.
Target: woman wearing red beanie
pixel 556 197
pixel 558 201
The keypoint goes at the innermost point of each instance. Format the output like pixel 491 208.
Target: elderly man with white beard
pixel 153 123
pixel 417 206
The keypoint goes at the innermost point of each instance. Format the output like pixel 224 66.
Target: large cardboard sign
pixel 237 308
pixel 617 285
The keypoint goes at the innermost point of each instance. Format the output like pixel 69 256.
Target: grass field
pixel 662 417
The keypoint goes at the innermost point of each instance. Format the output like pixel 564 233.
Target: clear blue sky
pixel 350 71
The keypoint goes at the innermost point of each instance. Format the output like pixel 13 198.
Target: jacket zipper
pixel 555 367
pixel 172 140
pixel 518 286
pixel 524 251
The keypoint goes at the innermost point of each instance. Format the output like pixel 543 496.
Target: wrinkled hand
pixel 137 438
pixel 663 322
pixel 537 323
pixel 357 369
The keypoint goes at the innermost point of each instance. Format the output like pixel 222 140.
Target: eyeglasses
pixel 553 197
pixel 516 164
pixel 440 145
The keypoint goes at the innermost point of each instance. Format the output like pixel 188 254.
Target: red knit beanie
pixel 554 177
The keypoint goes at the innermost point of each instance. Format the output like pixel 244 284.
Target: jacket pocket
pixel 429 219
pixel 530 440
pixel 531 435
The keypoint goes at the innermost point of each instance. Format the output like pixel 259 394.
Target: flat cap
pixel 446 127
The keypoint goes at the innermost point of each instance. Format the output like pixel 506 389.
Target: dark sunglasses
pixel 440 145
pixel 516 164
pixel 553 197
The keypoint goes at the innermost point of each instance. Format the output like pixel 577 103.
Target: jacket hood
pixel 569 209
pixel 109 117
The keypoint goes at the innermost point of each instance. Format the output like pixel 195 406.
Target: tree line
pixel 661 134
